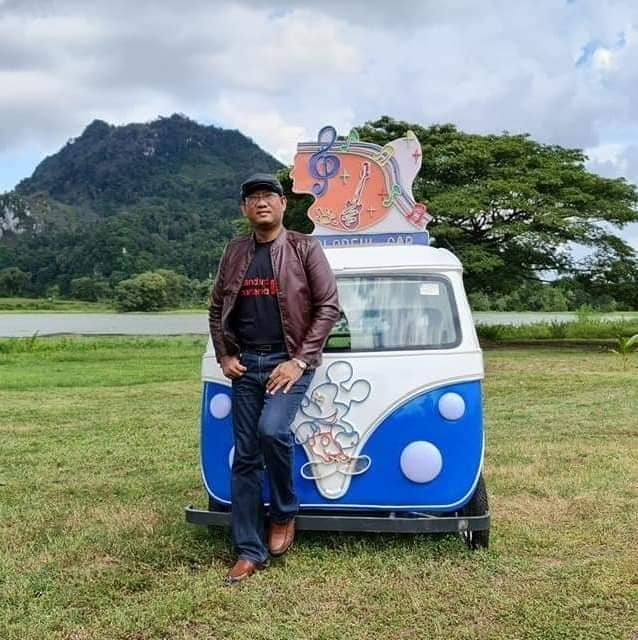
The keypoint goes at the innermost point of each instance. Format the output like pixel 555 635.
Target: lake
pixel 15 325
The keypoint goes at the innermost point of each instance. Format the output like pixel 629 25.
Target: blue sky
pixel 565 72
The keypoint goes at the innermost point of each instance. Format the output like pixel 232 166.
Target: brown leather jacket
pixel 307 294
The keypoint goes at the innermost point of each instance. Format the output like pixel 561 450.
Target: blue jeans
pixel 261 426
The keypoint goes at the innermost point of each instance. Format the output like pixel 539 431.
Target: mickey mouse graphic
pixel 328 438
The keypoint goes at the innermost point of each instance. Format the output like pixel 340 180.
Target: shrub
pixel 90 289
pixel 177 287
pixel 625 347
pixel 13 281
pixel 557 330
pixel 479 301
pixel 491 332
pixel 200 291
pixel 585 313
pixel 145 292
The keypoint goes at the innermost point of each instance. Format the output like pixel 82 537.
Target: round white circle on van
pixel 220 405
pixel 451 406
pixel 421 461
pixel 231 457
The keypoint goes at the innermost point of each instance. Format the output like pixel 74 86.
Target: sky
pixel 564 71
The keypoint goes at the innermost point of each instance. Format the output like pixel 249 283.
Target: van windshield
pixel 395 312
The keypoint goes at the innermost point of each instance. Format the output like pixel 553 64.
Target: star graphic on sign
pixel 370 209
pixel 345 175
pixel 416 155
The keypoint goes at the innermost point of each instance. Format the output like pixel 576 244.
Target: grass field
pixel 99 456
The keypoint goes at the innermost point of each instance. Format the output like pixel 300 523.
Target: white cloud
pixel 487 67
pixel 266 127
pixel 603 58
pixel 617 160
pixel 305 49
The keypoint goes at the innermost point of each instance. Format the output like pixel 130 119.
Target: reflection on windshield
pixel 402 312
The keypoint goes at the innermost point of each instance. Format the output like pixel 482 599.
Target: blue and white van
pixel 390 434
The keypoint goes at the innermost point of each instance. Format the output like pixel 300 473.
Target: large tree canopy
pixel 508 206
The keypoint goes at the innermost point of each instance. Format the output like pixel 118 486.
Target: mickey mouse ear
pixel 360 390
pixel 339 372
pixel 318 470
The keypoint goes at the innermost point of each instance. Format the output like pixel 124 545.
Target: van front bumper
pixel 390 522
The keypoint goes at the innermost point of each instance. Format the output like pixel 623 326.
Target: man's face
pixel 264 209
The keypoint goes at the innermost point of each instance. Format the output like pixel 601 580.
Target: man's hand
pixel 232 368
pixel 284 375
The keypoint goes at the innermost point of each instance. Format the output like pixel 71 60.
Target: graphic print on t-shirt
pixel 258 287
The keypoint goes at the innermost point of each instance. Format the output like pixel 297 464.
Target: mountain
pixel 118 200
pixel 108 167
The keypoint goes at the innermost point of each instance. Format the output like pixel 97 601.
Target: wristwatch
pixel 300 363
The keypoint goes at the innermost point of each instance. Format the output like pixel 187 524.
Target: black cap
pixel 261 181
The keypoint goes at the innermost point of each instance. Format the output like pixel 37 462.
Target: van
pixel 389 437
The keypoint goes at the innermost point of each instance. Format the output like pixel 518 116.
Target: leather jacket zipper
pixel 281 317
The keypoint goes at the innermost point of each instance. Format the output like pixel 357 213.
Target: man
pixel 272 307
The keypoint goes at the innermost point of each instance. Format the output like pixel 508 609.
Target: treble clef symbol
pixel 323 165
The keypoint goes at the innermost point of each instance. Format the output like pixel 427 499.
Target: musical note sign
pixel 395 192
pixel 323 167
pixel 353 136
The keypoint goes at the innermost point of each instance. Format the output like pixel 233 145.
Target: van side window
pixel 395 312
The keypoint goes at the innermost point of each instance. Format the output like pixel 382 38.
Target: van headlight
pixel 452 406
pixel 220 405
pixel 421 461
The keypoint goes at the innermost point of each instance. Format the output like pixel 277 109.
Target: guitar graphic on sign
pixel 351 213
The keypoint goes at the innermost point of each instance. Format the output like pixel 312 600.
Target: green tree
pixel 200 291
pixel 91 289
pixel 177 287
pixel 13 281
pixel 606 277
pixel 144 292
pixel 506 205
pixel 296 212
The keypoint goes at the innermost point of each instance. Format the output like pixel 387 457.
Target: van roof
pixel 384 256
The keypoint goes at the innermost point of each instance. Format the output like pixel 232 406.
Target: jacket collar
pixel 277 242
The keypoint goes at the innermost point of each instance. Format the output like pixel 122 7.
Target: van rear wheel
pixel 477 506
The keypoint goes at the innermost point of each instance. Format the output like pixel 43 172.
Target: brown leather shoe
pixel 281 537
pixel 243 569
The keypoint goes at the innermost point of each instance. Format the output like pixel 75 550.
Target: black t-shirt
pixel 256 318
